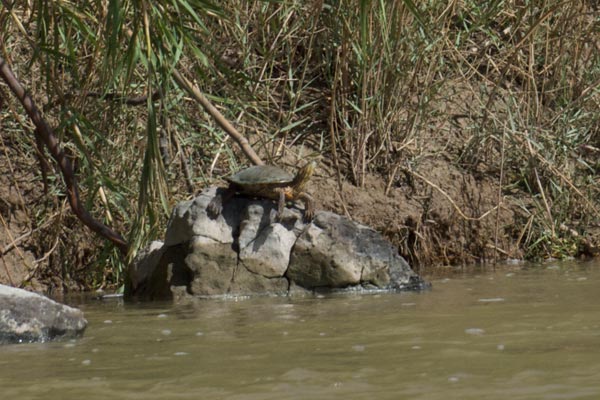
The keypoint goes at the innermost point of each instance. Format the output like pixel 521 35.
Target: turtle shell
pixel 261 175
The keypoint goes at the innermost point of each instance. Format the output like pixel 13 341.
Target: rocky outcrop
pixel 246 250
pixel 29 317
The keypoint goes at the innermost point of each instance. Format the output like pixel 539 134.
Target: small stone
pixel 491 300
pixel 474 331
pixel 27 317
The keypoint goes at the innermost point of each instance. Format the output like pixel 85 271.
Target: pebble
pixel 491 300
pixel 474 331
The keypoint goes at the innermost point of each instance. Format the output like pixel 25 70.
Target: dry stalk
pixel 15 242
pixel 546 205
pixel 388 187
pixel 449 198
pixel 195 92
pixel 525 229
pixel 556 172
pixel 184 164
pixel 499 199
pixel 333 128
pixel 39 262
pixel 11 245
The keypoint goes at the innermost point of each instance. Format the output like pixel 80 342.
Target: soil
pixel 451 218
pixel 17 260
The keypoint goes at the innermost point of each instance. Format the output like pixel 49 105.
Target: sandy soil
pixel 446 218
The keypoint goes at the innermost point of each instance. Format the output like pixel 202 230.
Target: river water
pixel 509 333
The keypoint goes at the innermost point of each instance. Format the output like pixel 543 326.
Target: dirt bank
pixel 436 213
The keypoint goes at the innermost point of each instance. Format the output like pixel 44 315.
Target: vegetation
pixel 508 90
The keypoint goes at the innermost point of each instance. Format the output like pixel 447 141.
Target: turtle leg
pixel 215 207
pixel 280 204
pixel 309 206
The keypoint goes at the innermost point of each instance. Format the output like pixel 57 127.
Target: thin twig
pixel 38 262
pixel 13 242
pixel 497 227
pixel 447 196
pixel 333 138
pixel 120 98
pixel 16 241
pixel 184 165
pixel 556 172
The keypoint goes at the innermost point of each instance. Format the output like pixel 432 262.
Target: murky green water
pixel 529 333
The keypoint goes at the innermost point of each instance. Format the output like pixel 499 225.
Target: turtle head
pixel 303 176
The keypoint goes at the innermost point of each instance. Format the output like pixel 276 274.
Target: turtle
pixel 271 182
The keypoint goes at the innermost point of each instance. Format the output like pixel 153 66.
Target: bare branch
pixel 130 101
pixel 219 118
pixel 47 136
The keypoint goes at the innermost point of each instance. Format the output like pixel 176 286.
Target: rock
pixel 336 252
pixel 156 271
pixel 264 247
pixel 212 265
pixel 29 317
pixel 246 282
pixel 143 266
pixel 189 219
pixel 246 251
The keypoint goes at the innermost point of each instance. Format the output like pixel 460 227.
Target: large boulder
pixel 334 252
pixel 29 317
pixel 246 251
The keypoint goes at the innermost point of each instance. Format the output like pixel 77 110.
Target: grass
pixel 506 90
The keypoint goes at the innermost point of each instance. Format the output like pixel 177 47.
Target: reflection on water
pixel 531 333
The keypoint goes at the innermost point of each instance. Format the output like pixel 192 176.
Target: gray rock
pixel 189 219
pixel 246 282
pixel 246 251
pixel 143 266
pixel 29 317
pixel 264 247
pixel 212 265
pixel 335 252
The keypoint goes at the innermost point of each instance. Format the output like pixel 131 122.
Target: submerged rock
pixel 246 250
pixel 30 317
